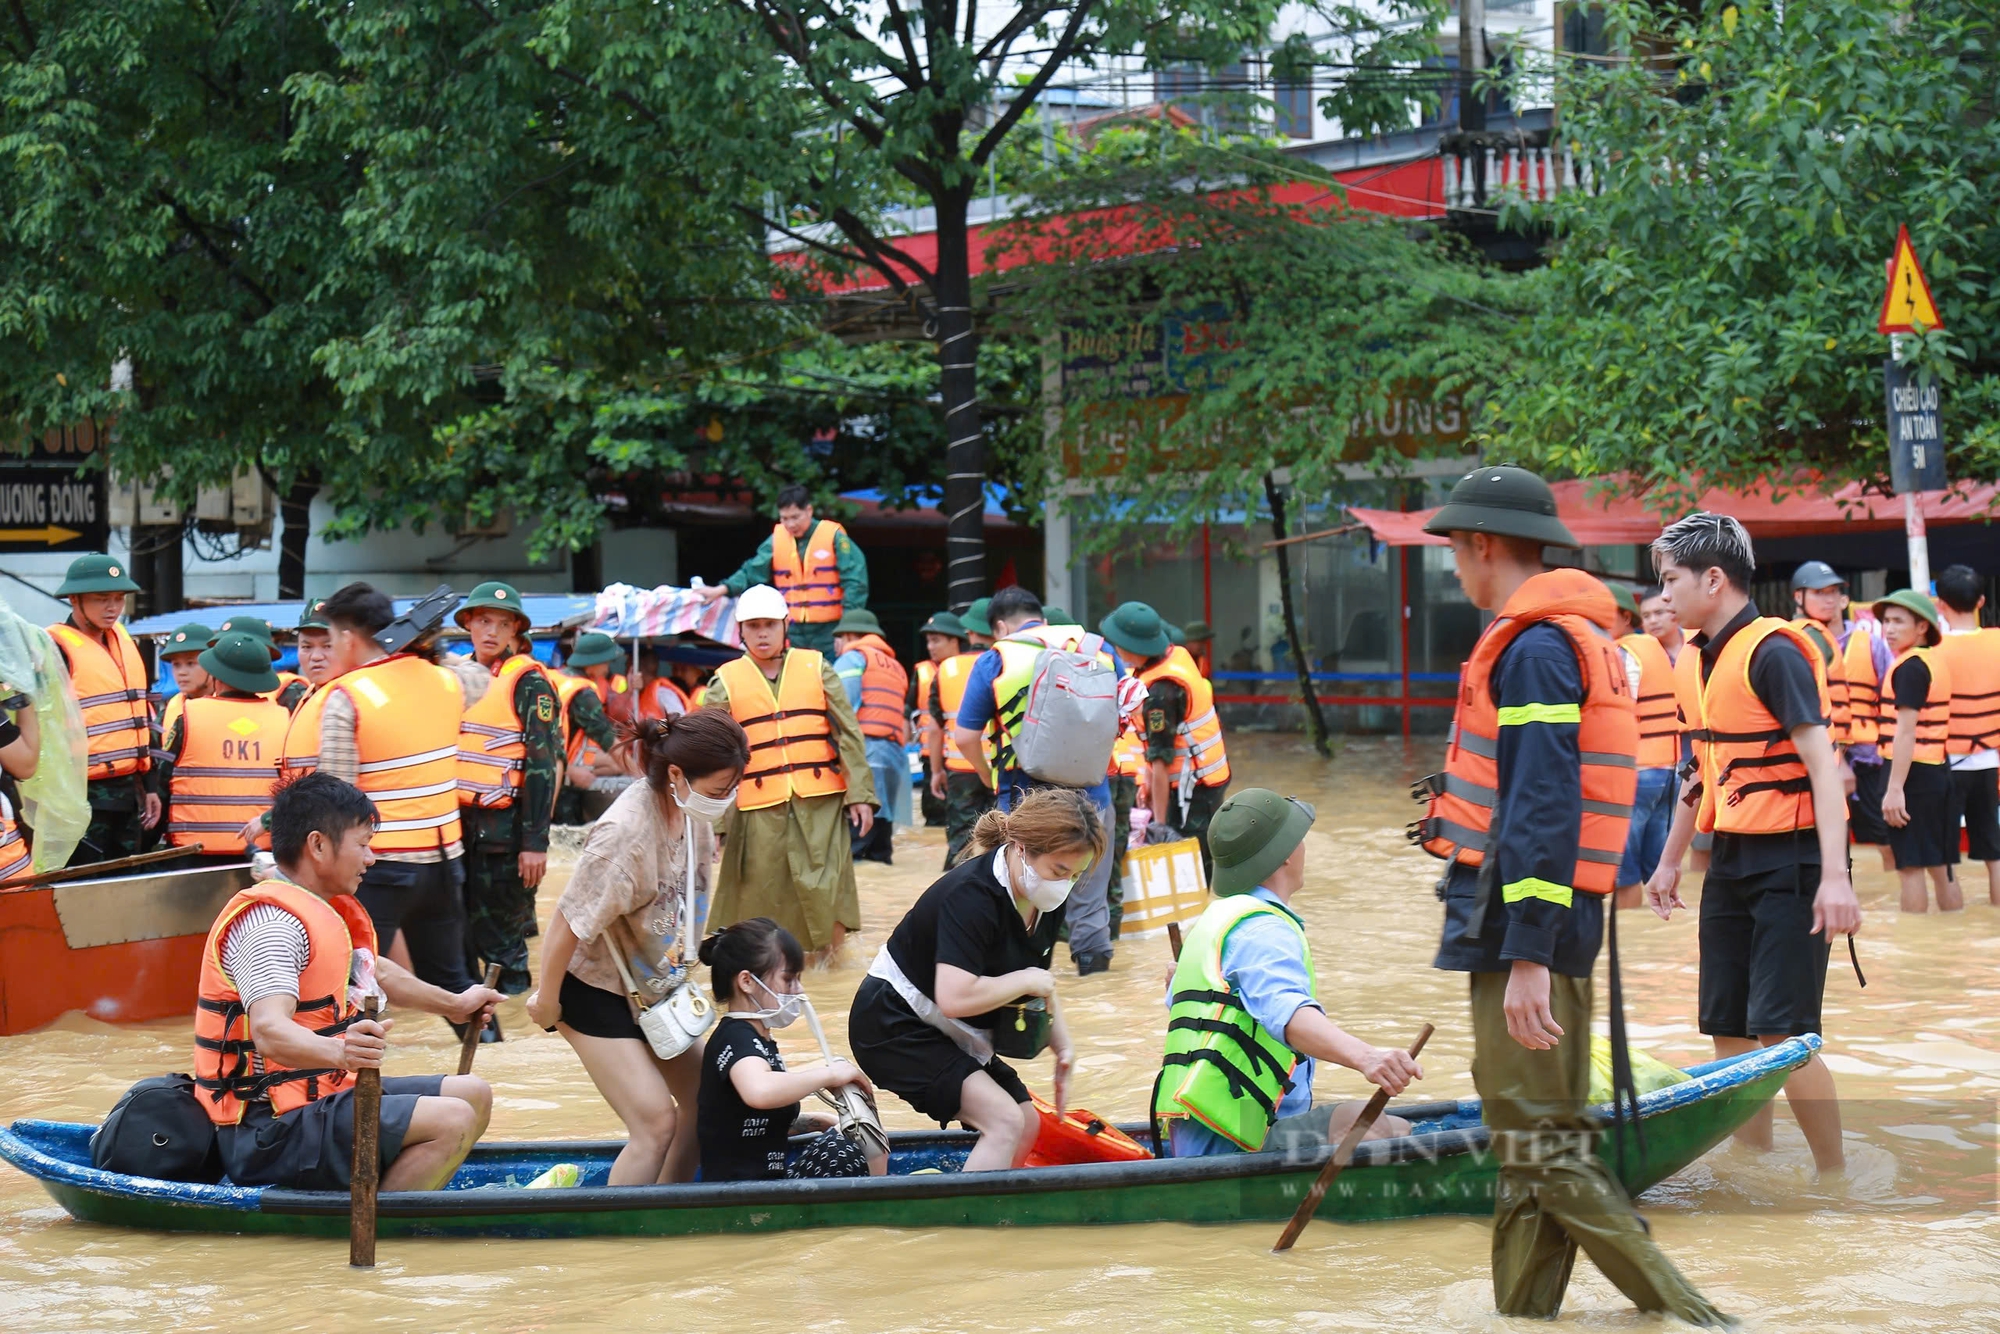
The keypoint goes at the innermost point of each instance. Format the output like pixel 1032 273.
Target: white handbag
pixel 679 1019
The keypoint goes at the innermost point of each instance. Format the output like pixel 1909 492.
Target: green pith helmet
pixel 493 593
pixel 1175 635
pixel 1508 502
pixel 254 626
pixel 1197 632
pixel 190 638
pixel 1136 628
pixel 1623 596
pixel 239 660
pixel 860 621
pixel 594 648
pixel 312 616
pixel 1057 616
pixel 1815 575
pixel 944 623
pixel 1252 835
pixel 96 573
pixel 1910 600
pixel 974 618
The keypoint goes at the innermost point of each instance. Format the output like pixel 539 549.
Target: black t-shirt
pixel 739 1142
pixel 1782 679
pixel 1912 684
pixel 968 920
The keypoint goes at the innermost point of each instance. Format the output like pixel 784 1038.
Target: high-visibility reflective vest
pixel 1974 660
pixel 1864 689
pixel 170 713
pixel 111 692
pixel 493 742
pixel 792 751
pixel 1019 652
pixel 1658 707
pixel 662 697
pixel 1753 780
pixel 925 673
pixel 300 752
pixel 229 751
pixel 406 715
pixel 568 687
pixel 228 1071
pixel 809 579
pixel 1462 798
pixel 1933 719
pixel 1841 716
pixel 1128 752
pixel 952 674
pixel 884 686
pixel 16 863
pixel 1198 740
pixel 1222 1067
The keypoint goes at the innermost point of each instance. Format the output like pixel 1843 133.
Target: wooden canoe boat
pixel 121 949
pixel 1443 1168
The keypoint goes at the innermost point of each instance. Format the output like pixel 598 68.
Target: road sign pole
pixel 1920 546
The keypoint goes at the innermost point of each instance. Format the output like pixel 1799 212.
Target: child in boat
pixel 749 1103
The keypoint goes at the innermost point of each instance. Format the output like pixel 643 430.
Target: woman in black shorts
pixel 976 943
pixel 642 870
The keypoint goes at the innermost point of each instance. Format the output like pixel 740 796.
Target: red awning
pixel 1597 514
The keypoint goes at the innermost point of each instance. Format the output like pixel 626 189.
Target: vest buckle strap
pixel 1428 788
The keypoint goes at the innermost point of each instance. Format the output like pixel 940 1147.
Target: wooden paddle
pixel 1342 1156
pixel 366 1176
pixel 98 869
pixel 469 1048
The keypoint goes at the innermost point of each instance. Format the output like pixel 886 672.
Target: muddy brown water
pixel 1908 1240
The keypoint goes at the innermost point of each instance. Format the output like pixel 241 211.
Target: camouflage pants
pixel 1193 819
pixel 115 830
pixel 1124 796
pixel 965 800
pixel 499 912
pixel 930 807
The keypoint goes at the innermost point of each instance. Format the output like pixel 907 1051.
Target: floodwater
pixel 1907 1241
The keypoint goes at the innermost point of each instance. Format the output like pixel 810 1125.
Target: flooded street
pixel 1908 1241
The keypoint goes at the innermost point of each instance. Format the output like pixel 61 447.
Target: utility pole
pixel 1472 102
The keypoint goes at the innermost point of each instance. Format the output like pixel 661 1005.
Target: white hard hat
pixel 761 602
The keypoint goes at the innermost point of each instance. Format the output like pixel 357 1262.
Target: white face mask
pixel 704 807
pixel 790 1005
pixel 1046 895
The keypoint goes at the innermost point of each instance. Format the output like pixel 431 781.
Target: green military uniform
pixel 818 635
pixel 943 623
pixel 586 715
pixel 499 908
pixel 1124 796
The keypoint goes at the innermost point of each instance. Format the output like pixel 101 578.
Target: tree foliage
pixel 1711 304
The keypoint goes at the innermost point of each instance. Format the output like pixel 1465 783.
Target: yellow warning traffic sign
pixel 1907 304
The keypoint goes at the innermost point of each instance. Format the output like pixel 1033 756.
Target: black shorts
pixel 1763 972
pixel 1931 836
pixel 1864 808
pixel 312 1147
pixel 912 1060
pixel 595 1012
pixel 1975 796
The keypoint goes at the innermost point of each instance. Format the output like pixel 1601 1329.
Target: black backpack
pixel 159 1129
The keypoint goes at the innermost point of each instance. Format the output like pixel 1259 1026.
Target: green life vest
pixel 1221 1066
pixel 1018 656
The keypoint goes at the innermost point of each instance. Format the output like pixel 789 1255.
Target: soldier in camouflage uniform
pixel 507 844
pixel 591 659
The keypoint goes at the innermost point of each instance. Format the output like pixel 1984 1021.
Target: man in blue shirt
pixel 1016 613
pixel 1265 967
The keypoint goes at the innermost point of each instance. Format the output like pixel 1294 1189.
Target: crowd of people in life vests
pixel 1601 734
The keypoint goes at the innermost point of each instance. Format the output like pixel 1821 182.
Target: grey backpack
pixel 1070 719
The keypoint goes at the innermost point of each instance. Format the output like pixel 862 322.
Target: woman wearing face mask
pixel 749 1101
pixel 978 941
pixel 628 893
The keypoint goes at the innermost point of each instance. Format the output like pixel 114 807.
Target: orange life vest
pixel 1841 715
pixel 809 579
pixel 227 1069
pixel 884 686
pixel 1933 719
pixel 111 692
pixel 574 738
pixel 406 715
pixel 229 750
pixel 1657 703
pixel 1753 780
pixel 16 863
pixel 926 674
pixel 952 674
pixel 1974 661
pixel 792 751
pixel 654 697
pixel 1462 798
pixel 285 679
pixel 1128 752
pixel 493 740
pixel 300 752
pixel 1864 690
pixel 1198 740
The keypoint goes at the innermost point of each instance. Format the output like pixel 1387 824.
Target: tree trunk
pixel 157 567
pixel 295 515
pixel 958 382
pixel 1315 720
